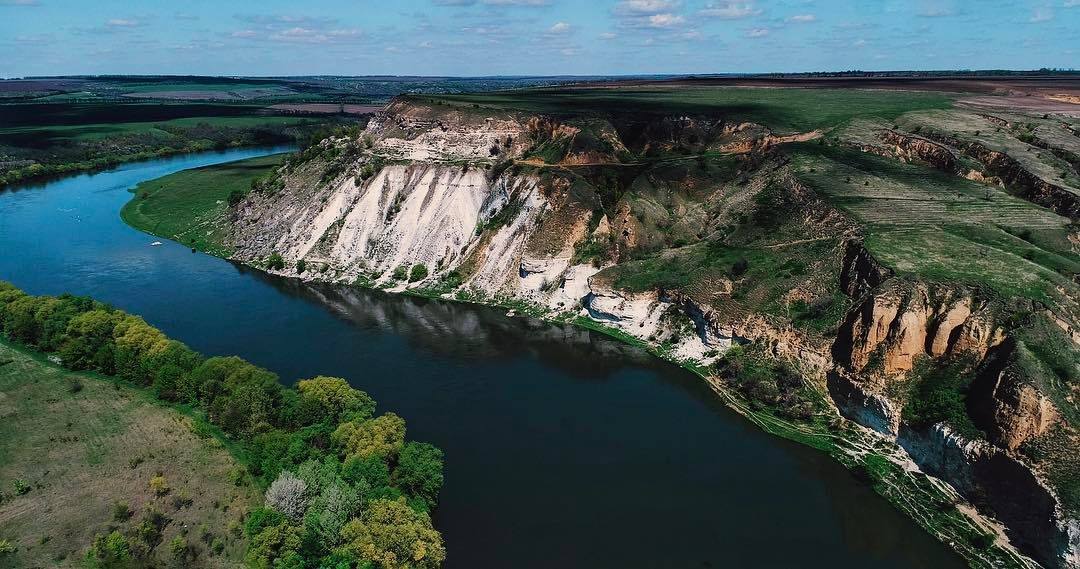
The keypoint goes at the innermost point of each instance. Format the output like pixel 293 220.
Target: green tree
pixel 382 436
pixel 89 343
pixel 275 542
pixel 394 536
pixel 332 398
pixel 275 262
pixel 420 471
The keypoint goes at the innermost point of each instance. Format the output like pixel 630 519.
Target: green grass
pixel 938 393
pixel 191 206
pixel 942 228
pixel 81 449
pixel 783 110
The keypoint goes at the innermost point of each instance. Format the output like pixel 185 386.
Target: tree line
pixel 344 488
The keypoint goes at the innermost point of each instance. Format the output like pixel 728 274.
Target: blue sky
pixel 530 37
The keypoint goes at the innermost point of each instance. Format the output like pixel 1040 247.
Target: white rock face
pixel 435 140
pixel 408 215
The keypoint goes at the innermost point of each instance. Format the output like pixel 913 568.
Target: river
pixel 564 448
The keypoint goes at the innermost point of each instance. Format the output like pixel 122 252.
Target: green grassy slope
pixel 72 445
pixel 191 206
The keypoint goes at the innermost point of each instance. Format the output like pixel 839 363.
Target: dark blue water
pixel 564 448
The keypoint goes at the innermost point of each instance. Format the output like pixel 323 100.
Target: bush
pixel 159 485
pixel 109 550
pixel 301 266
pixel 121 511
pixel 178 547
pixel 6 547
pixel 235 197
pixel 275 262
pixel 400 273
pixel 418 273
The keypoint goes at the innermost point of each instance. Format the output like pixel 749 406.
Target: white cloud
pixel 665 20
pixel 645 7
pixel 1071 4
pixel 559 28
pixel 730 10
pixel 20 3
pixel 608 35
pixel 803 18
pixel 757 33
pixel 122 23
pixel 649 14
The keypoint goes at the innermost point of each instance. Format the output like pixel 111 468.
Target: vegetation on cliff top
pixel 784 110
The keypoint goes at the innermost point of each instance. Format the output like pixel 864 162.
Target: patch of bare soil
pixel 1058 104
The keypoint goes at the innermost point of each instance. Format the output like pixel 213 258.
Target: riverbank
pixel 877 462
pixel 332 470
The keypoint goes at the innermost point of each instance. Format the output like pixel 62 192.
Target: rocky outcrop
pixel 1019 179
pixel 1004 402
pixel 897 325
pixel 1002 484
pixel 901 321
pixel 911 148
pixel 860 272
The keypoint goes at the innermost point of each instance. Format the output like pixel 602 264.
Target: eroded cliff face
pixel 504 206
pixel 886 350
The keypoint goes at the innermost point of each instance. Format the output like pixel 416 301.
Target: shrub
pixel 21 487
pixel 159 485
pixel 301 266
pixel 121 511
pixel 235 197
pixel 6 547
pixel 275 262
pixel 400 273
pixel 178 547
pixel 417 273
pixel 109 550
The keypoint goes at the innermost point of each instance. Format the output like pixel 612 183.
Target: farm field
pixel 784 110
